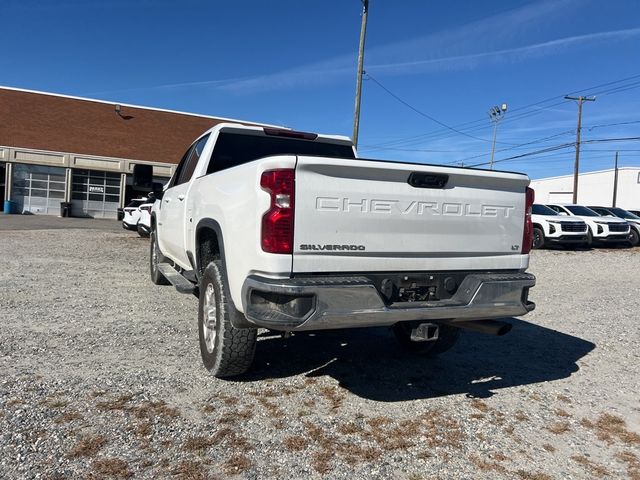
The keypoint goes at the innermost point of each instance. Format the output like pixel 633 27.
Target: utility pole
pixel 363 32
pixel 496 114
pixel 576 166
pixel 615 181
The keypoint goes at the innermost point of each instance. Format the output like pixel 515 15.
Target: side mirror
pixel 142 177
pixel 157 190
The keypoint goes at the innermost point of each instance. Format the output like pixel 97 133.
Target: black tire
pixel 156 257
pixel 226 350
pixel 143 233
pixel 538 238
pixel 634 238
pixel 589 241
pixel 447 338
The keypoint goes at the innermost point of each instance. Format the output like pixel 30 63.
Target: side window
pixel 174 180
pixel 192 160
pixel 553 207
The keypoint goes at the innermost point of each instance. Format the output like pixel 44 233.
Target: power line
pixel 471 125
pixel 419 112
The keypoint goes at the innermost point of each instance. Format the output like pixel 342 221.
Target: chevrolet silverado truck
pixel 290 231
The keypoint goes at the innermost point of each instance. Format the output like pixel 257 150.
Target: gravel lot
pixel 102 378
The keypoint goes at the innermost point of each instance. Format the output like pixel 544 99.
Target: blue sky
pixel 293 63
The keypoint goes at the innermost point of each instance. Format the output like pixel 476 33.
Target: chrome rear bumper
pixel 319 303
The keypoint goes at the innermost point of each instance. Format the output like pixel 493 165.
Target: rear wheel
pixel 155 258
pixel 226 350
pixel 447 338
pixel 538 238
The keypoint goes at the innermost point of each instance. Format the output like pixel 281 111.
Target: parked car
pixel 144 222
pixel 600 229
pixel 630 218
pixel 132 213
pixel 290 231
pixel 549 227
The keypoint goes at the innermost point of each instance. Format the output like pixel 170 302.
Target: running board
pixel 182 284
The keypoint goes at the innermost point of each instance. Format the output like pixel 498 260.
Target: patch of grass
pixel 562 413
pixel 88 446
pixel 295 443
pixel 333 396
pixel 15 401
pixel 158 409
pixel 309 402
pixel 208 408
pixel 593 467
pixel 611 427
pixel 480 405
pixel 549 448
pixel 321 462
pixel 198 444
pixel 349 428
pixel 112 467
pixel 119 403
pixel 477 416
pixel 68 417
pixel 521 416
pixel 144 430
pixel 524 475
pixel 559 428
pixel 189 470
pixel 564 398
pixel 272 409
pixel 486 465
pixel 236 464
pixel 633 464
pixel 54 403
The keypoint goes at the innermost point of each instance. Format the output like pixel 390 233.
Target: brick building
pixel 56 148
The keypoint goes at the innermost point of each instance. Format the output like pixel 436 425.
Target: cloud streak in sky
pixel 489 41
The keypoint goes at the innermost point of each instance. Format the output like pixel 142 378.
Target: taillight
pixel 527 234
pixel 277 223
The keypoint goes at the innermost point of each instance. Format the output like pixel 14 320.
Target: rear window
pixel 232 149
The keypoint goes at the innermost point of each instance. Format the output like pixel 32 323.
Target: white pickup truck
pixel 289 231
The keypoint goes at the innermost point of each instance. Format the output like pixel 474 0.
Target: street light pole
pixel 496 114
pixel 363 31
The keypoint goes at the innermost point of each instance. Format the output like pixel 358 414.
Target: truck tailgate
pixel 364 215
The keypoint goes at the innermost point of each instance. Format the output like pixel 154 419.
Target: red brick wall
pixel 48 122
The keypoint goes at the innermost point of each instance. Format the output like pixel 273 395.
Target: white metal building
pixel 594 188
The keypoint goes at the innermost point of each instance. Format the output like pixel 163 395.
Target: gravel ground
pixel 102 378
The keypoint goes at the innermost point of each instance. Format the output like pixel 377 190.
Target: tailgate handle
pixel 427 180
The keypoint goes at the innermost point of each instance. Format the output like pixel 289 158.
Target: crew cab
pixel 290 231
pixel 549 227
pixel 601 229
pixel 631 218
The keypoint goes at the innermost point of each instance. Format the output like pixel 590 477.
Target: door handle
pixel 181 197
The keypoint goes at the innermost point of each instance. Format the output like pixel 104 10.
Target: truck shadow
pixel 368 362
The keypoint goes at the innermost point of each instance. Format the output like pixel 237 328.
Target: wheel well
pixel 207 248
pixel 537 225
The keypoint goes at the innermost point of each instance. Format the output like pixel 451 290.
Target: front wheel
pixel 155 258
pixel 447 338
pixel 538 238
pixel 226 350
pixel 634 238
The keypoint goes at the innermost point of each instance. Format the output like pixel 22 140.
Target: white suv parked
pixel 132 213
pixel 601 229
pixel 549 227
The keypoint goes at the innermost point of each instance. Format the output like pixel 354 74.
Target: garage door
pixel 95 194
pixel 37 189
